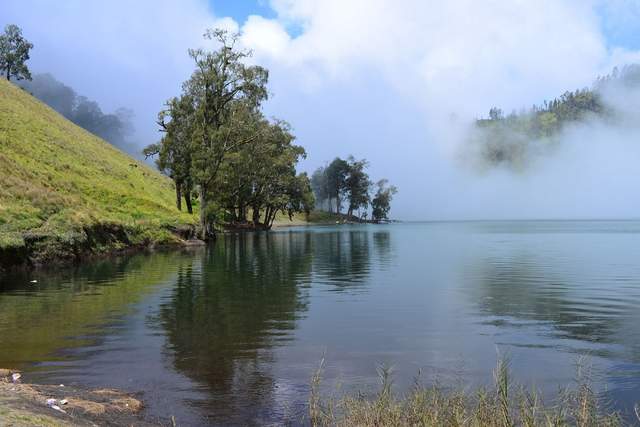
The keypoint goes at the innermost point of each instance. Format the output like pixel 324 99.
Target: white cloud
pixel 374 78
pixel 421 61
pixel 119 53
pixel 460 53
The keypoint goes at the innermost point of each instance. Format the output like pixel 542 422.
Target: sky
pixel 389 81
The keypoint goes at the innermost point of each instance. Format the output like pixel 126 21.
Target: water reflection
pixel 231 333
pixel 522 288
pixel 577 294
pixel 342 259
pixel 382 245
pixel 241 299
pixel 229 308
pixel 73 308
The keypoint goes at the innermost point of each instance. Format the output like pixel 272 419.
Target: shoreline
pixel 112 240
pixel 104 240
pixel 23 404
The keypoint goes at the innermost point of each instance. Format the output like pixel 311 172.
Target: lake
pixel 232 333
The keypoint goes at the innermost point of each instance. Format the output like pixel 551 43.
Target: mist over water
pixel 588 170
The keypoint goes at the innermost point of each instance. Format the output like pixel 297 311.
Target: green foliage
pixel 58 180
pixel 357 185
pixel 342 179
pixel 511 139
pixel 337 173
pixel 218 141
pixel 174 149
pixel 14 53
pixel 223 88
pixel 381 203
pixel 348 179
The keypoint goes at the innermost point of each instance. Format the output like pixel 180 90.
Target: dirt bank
pixel 23 404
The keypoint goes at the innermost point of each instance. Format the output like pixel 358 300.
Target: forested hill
pixel 64 190
pixel 115 128
pixel 511 139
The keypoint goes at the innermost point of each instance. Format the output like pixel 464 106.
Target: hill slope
pixel 63 191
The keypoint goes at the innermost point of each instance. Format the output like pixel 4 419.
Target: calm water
pixel 231 334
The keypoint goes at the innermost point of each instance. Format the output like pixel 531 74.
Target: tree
pixel 320 186
pixel 14 52
pixel 381 204
pixel 337 173
pixel 357 185
pixel 174 149
pixel 262 175
pixel 222 86
pixel 495 114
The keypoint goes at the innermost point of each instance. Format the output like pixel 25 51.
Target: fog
pixel 116 127
pixel 397 83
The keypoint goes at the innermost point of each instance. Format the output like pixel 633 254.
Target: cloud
pixel 396 82
pixel 379 79
pixel 131 54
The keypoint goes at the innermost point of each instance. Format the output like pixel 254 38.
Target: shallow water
pixel 231 334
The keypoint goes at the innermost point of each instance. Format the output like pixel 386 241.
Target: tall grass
pixel 504 404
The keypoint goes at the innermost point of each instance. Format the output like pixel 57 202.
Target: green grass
pixel 58 180
pixel 315 217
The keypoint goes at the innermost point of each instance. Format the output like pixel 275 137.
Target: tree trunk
pixel 187 199
pixel 243 213
pixel 179 196
pixel 267 215
pixel 204 221
pixel 256 215
pixel 272 217
pixel 338 202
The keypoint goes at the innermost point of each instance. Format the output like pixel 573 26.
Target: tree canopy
pixel 348 180
pixel 509 140
pixel 217 142
pixel 381 203
pixel 14 53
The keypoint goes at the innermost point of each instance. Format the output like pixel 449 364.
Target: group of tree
pixel 509 139
pixel 14 53
pixel 347 181
pixel 218 146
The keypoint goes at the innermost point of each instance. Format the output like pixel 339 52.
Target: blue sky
pixel 617 33
pixel 620 23
pixel 240 10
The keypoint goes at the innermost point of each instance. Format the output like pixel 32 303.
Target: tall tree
pixel 14 53
pixel 320 186
pixel 381 203
pixel 174 149
pixel 337 173
pixel 357 185
pixel 220 82
pixel 262 175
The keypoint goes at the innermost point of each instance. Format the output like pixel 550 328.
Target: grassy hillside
pixel 64 190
